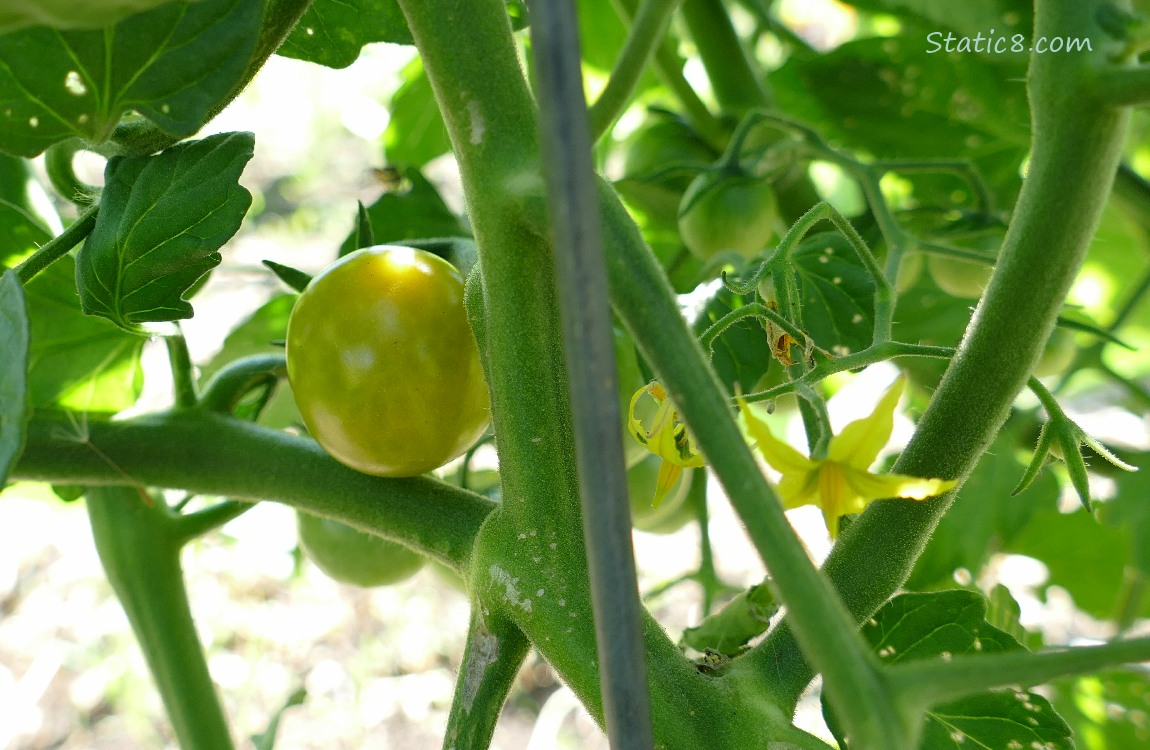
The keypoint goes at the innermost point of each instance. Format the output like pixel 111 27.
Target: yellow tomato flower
pixel 841 483
pixel 667 438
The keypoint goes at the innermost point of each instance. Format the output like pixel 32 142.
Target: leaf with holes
pixel 13 371
pixel 1108 711
pixel 836 293
pixel 174 65
pixel 332 32
pixel 161 224
pixel 944 624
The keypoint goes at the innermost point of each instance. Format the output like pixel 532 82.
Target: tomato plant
pixel 818 160
pixel 380 338
pixel 350 556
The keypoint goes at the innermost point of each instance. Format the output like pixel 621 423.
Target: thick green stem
pixel 58 246
pixel 1076 148
pixel 212 455
pixel 1125 86
pixel 926 683
pixel 228 386
pixel 529 561
pixel 58 164
pixel 495 650
pixel 183 376
pixel 141 557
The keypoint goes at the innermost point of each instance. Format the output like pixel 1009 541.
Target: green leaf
pixel 939 624
pixel 728 631
pixel 1082 556
pixel 69 14
pixel 601 34
pixel 415 133
pixel 13 371
pixel 295 279
pixel 1130 508
pixel 266 740
pixel 995 720
pixel 20 234
pixel 1004 613
pixel 890 98
pixel 412 213
pixel 741 355
pixel 984 517
pixel 946 624
pixel 364 235
pixel 77 361
pixel 835 291
pixel 332 32
pixel 262 333
pixel 1107 711
pixel 175 65
pixel 161 224
pixel 14 181
pixel 928 316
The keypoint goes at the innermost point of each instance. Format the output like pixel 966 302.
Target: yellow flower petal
pixel 859 443
pixel 668 475
pixel 781 456
pixel 797 489
pixel 878 486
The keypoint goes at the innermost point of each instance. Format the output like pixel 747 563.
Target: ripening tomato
pixel 383 364
pixel 351 556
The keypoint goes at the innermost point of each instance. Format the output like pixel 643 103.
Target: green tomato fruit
pixel 350 556
pixel 957 277
pixel 909 271
pixel 1057 355
pixel 672 514
pixel 723 213
pixel 383 364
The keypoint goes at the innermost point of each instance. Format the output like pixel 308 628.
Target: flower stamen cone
pixel 842 483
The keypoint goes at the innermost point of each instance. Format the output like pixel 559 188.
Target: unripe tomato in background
pixel 350 556
pixel 958 277
pixel 722 212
